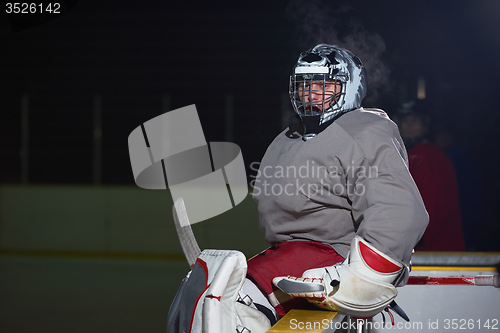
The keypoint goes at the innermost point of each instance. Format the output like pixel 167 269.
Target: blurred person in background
pixel 468 182
pixel 435 177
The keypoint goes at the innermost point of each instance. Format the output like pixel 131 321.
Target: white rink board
pixel 445 308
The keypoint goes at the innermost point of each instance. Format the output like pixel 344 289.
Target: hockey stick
pixel 186 236
pixel 478 280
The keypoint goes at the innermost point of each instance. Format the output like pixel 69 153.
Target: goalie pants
pixel 289 258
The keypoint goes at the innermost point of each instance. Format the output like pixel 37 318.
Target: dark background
pixel 142 58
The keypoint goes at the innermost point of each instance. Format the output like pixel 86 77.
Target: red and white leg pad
pixel 210 299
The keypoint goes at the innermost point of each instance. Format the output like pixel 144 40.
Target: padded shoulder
pixel 363 122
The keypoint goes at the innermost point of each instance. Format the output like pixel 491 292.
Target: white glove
pixel 361 286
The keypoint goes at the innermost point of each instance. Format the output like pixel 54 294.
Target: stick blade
pixel 186 236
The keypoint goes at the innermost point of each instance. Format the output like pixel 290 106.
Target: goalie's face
pixel 318 96
pixel 317 91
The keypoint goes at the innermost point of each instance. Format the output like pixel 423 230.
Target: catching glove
pixel 361 286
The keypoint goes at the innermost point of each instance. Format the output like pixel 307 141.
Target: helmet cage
pixel 301 92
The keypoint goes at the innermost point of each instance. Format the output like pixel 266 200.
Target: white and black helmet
pixel 322 65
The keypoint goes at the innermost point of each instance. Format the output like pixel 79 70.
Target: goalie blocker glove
pixel 361 286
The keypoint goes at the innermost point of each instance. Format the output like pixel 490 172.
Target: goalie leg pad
pixel 207 301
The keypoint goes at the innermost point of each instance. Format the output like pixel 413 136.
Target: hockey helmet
pixel 327 81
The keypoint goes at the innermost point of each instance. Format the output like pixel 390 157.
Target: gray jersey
pixel 352 178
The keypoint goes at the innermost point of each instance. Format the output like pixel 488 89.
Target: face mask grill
pixel 317 94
